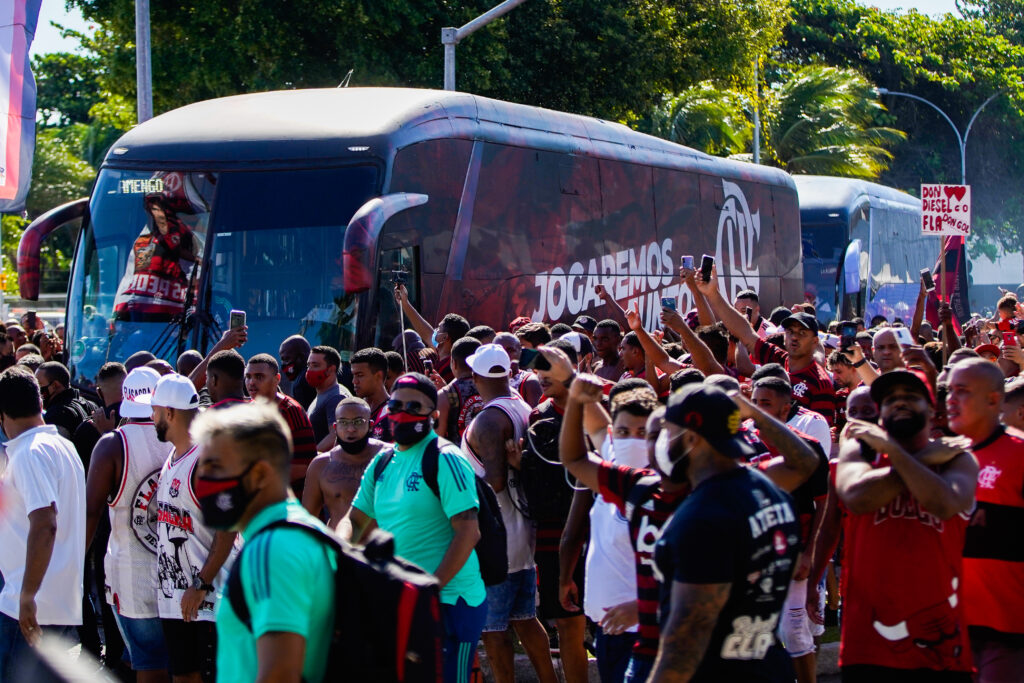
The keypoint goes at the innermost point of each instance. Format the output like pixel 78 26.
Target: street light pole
pixel 960 139
pixel 143 67
pixel 450 36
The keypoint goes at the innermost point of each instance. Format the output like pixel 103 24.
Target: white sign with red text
pixel 946 210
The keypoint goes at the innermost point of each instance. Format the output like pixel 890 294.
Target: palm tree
pixel 819 119
pixel 822 120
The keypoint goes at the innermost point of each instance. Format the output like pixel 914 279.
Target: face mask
pixel 409 429
pixel 223 501
pixel 316 377
pixel 291 371
pixel 672 463
pixel 631 452
pixel 354 447
pixel 905 427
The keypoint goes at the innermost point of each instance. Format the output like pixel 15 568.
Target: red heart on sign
pixel 955 190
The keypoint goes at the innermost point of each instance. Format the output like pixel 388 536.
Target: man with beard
pixel 993 565
pixel 263 379
pixel 191 557
pixel 908 498
pixel 65 409
pixel 294 354
pixel 123 476
pixel 812 385
pixel 333 477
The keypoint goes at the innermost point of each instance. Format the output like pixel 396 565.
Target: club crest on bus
pixel 738 233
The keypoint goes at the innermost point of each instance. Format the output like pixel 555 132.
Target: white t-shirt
pixel 43 468
pixel 610 578
pixel 814 425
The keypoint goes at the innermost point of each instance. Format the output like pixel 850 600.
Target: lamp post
pixel 143 67
pixel 450 36
pixel 960 139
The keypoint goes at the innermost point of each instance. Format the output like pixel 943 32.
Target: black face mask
pixel 905 427
pixel 223 501
pixel 408 429
pixel 354 447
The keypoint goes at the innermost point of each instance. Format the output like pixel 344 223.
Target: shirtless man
pixel 333 477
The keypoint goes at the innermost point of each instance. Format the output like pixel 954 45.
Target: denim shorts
pixel 144 639
pixel 514 599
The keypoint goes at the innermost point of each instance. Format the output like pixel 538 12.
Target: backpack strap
pixel 642 491
pixel 431 463
pixel 234 590
pixel 382 463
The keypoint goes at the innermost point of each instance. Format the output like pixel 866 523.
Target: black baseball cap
pixel 887 381
pixel 585 322
pixel 710 412
pixel 803 320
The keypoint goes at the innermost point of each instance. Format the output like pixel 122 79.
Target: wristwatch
pixel 198 584
pixel 859 363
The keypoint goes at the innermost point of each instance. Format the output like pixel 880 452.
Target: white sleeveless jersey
pixel 521 534
pixel 130 562
pixel 183 541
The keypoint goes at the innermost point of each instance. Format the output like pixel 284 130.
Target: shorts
pixel 147 649
pixel 191 647
pixel 547 572
pixel 514 599
pixel 795 626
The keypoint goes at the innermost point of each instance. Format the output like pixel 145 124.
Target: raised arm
pixel 735 322
pixel 865 370
pixel 231 339
pixel 701 355
pixel 572 447
pixel 705 316
pixel 418 322
pixel 861 487
pixel 618 312
pixel 915 323
pixel 654 353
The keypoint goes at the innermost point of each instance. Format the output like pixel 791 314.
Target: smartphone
pixel 30 320
pixel 532 359
pixel 903 336
pixel 926 278
pixel 668 302
pixel 428 366
pixel 1009 339
pixel 686 262
pixel 706 262
pixel 847 335
pixel 750 314
pixel 236 320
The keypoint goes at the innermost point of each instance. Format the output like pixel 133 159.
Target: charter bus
pixel 862 247
pixel 303 207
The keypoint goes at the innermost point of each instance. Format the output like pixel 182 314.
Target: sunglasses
pixel 410 407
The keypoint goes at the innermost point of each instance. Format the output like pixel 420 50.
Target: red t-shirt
pixel 902 585
pixel 303 443
pixel 812 386
pixel 993 554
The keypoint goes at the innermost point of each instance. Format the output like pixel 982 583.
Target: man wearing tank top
pixel 486 443
pixel 123 475
pixel 192 560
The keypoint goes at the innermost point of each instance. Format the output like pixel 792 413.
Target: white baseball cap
pixel 136 391
pixel 487 357
pixel 175 391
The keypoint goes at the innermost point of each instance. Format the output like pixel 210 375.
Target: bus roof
pixel 294 128
pixel 822 196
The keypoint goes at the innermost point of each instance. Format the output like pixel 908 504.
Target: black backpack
pixel 491 549
pixel 387 612
pixel 545 486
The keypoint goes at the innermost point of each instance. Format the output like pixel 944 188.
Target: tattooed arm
pixel 684 639
pixel 467 533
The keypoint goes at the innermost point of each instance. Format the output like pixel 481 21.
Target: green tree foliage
pixel 602 57
pixel 704 116
pixel 58 174
pixel 67 86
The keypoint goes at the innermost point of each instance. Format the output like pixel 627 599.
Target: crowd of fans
pixel 695 503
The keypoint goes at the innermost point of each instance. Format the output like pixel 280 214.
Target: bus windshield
pixel 823 246
pixel 168 255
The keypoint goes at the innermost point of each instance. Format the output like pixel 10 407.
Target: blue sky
pixel 48 39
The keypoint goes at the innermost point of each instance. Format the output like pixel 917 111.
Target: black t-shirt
pixel 738 528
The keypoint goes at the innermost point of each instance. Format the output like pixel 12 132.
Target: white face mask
pixel 661 454
pixel 631 452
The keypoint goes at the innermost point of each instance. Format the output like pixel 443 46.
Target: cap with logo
pixel 802 319
pixel 710 412
pixel 585 322
pixel 489 357
pixel 175 391
pixel 136 391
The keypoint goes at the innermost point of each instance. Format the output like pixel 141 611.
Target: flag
pixel 18 20
pixel 956 284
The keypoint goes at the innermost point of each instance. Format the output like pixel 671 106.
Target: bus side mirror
pixel 360 252
pixel 32 239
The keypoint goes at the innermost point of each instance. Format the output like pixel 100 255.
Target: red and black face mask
pixel 223 502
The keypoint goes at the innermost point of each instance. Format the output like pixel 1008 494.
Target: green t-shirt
pixel 404 505
pixel 288 579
